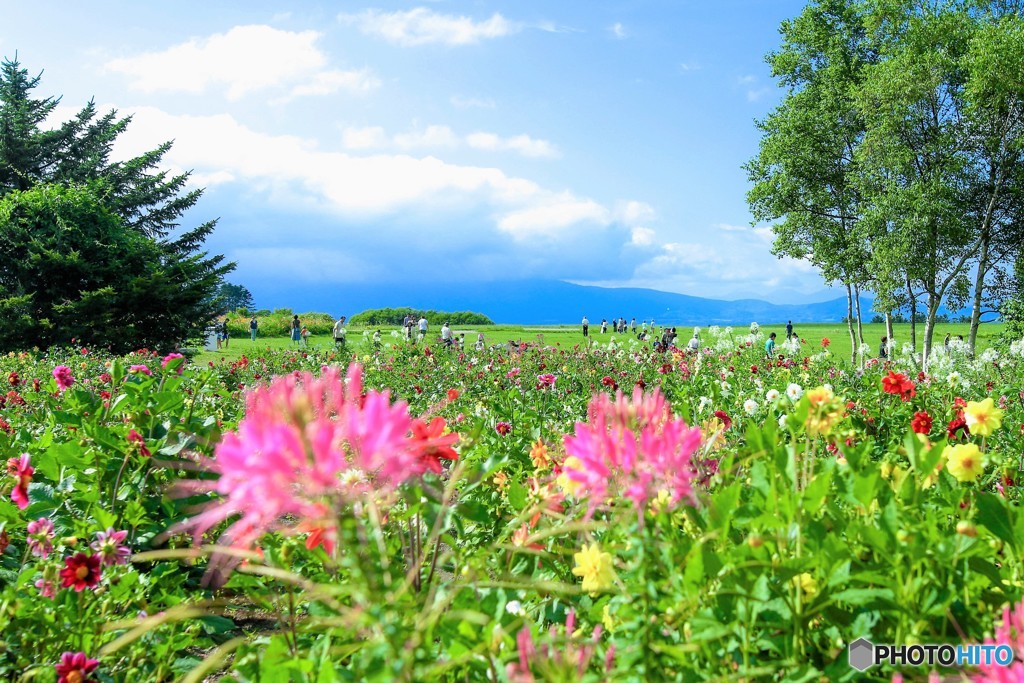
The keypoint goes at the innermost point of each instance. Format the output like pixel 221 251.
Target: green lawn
pixel 811 333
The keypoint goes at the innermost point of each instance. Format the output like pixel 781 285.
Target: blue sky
pixel 594 142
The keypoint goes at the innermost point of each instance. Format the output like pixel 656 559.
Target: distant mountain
pixel 544 303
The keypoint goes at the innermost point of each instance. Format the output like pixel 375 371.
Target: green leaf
pixel 997 517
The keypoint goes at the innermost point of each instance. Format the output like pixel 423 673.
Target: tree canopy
pixel 895 162
pixel 93 249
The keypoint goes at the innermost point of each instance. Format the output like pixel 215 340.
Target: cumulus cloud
pixel 294 170
pixel 244 60
pixel 734 263
pixel 423 26
pixel 439 137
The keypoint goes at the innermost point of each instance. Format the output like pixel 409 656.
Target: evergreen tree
pixel 131 209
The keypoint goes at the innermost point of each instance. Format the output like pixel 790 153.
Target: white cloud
pixel 244 60
pixel 641 237
pixel 689 66
pixel 556 213
pixel 423 26
pixel 522 144
pixel 756 94
pixel 432 136
pixel 633 212
pixel 766 233
pixel 290 170
pixel 472 102
pixel 443 137
pixel 618 30
pixel 725 227
pixel 369 137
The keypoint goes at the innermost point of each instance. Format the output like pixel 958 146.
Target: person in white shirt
pixel 694 344
pixel 446 335
pixel 423 328
pixel 339 332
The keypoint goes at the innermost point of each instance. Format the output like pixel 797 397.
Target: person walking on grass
pixel 789 330
pixel 296 330
pixel 769 347
pixel 339 332
pixel 586 327
pixel 253 326
pixel 225 335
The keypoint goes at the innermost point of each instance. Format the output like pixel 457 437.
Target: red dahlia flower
pixel 922 423
pixel 432 444
pixel 21 469
pixel 80 571
pixel 76 667
pixel 899 384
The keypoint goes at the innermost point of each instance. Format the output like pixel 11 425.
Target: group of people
pixel 620 326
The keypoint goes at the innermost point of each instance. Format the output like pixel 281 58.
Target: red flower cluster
pixel 724 417
pixel 899 384
pixel 503 428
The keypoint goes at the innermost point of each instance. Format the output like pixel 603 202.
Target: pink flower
pixel 503 428
pixel 47 588
pixel 1011 634
pixel 635 447
pixel 76 667
pixel 306 442
pixel 141 369
pixel 109 545
pixel 135 438
pixel 22 470
pixel 171 357
pixel 40 537
pixel 545 381
pixel 65 379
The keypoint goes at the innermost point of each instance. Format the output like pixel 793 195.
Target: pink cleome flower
pixel 632 447
pixel 1009 633
pixel 173 357
pixel 306 446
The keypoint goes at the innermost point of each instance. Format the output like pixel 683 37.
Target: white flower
pixel 772 396
pixel 750 406
pixel 514 607
pixel 953 378
pixel 704 403
pixel 725 387
pixel 782 421
pixel 754 328
pixel 794 392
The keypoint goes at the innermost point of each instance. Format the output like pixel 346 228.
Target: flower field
pixel 522 513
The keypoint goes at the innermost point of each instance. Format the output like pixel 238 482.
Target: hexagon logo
pixel 862 654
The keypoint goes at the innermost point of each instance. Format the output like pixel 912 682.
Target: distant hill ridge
pixel 544 302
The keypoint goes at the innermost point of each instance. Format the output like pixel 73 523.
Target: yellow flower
pixel 500 480
pixel 825 411
pixel 661 502
pixel 595 567
pixel 607 620
pixel 570 486
pixel 807 584
pixel 539 455
pixel 820 396
pixel 983 417
pixel 964 461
